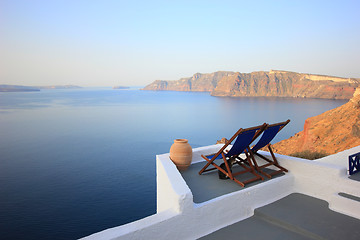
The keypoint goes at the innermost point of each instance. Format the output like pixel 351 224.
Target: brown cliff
pixel 264 84
pixel 198 82
pixel 331 132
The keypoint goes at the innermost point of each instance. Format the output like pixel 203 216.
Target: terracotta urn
pixel 181 154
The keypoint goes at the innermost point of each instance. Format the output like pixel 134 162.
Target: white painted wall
pixel 179 218
pixel 325 178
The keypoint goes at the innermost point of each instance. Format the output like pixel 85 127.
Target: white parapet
pixel 178 217
pixel 325 178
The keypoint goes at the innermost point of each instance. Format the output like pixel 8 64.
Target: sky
pixel 133 43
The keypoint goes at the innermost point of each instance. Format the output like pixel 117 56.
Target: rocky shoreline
pixel 330 132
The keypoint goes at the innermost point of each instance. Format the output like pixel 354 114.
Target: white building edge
pixel 178 217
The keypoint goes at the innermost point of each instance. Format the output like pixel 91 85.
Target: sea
pixel 74 162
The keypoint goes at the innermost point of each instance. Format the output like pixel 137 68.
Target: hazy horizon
pixel 133 43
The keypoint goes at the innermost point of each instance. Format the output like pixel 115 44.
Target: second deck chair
pixel 244 137
pixel 268 135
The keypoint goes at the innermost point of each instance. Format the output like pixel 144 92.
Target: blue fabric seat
pixel 243 138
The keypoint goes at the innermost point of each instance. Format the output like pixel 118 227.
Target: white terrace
pixel 190 207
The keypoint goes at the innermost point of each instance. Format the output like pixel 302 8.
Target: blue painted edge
pixel 354 163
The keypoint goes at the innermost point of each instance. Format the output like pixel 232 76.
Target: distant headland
pixel 275 83
pixel 19 88
pixel 60 87
pixel 121 87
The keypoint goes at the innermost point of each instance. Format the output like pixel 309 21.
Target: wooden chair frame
pixel 274 161
pixel 245 163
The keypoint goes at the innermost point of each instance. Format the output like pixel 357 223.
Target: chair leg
pixel 227 172
pixel 276 163
pixel 207 164
pixel 227 166
pixel 248 168
pixel 250 158
pixel 270 163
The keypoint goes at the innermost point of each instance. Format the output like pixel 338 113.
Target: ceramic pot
pixel 181 154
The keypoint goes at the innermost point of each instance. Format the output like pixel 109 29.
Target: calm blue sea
pixel 75 162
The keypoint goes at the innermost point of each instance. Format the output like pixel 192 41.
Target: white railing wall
pixel 179 218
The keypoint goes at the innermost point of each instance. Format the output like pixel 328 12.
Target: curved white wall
pixel 179 218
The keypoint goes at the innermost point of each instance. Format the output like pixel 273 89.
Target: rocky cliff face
pixel 331 132
pixel 273 83
pixel 198 82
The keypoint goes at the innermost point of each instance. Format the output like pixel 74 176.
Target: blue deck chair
pixel 268 135
pixel 244 137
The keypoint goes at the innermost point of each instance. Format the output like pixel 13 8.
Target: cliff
pixel 18 88
pixel 121 87
pixel 198 82
pixel 263 84
pixel 331 132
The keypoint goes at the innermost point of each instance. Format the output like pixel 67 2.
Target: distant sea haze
pixel 78 161
pixel 19 88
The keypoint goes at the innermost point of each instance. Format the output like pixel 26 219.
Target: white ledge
pixel 323 179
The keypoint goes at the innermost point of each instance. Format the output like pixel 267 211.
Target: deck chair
pixel 268 135
pixel 244 137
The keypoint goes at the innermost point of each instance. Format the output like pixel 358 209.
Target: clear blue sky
pixel 107 43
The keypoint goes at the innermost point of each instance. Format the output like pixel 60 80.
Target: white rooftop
pixel 190 208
